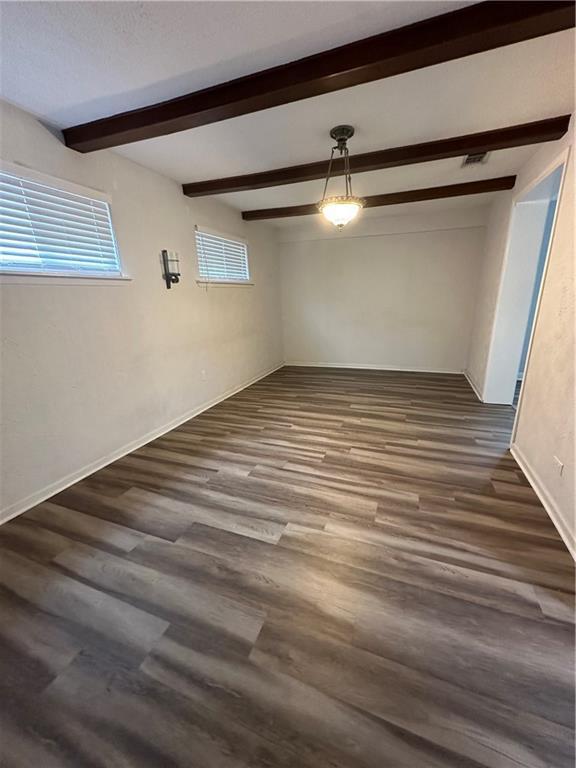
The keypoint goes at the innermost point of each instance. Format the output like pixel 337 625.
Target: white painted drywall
pixel 92 369
pixel 515 297
pixel 497 227
pixel 395 293
pixel 545 426
pixel 497 237
pixel 521 277
pixel 542 256
pixel 545 421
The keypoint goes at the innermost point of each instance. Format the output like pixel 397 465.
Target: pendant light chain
pixel 347 172
pixel 340 209
pixel 329 173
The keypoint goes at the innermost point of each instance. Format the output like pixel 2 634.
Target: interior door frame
pixel 562 159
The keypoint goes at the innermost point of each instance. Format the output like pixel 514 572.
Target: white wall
pixel 513 308
pixel 542 256
pixel 497 238
pixel 545 426
pixel 91 369
pixel 396 292
pixel 521 276
pixel 497 226
pixel 545 421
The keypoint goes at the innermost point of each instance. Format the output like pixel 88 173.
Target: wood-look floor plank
pixel 213 515
pixel 491 556
pixel 87 528
pixel 91 609
pixel 448 715
pixel 32 541
pixel 334 568
pixel 412 624
pixel 169 597
pixel 34 648
pixel 328 733
pixel 459 580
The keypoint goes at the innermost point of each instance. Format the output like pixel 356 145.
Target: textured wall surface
pixel 497 235
pixel 486 297
pixel 546 417
pixel 91 367
pixel 514 299
pixel 545 426
pixel 397 300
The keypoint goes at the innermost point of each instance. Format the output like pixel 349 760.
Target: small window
pixel 50 231
pixel 221 260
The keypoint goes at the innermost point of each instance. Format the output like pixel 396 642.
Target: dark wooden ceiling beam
pixel 464 32
pixel 487 141
pixel 393 198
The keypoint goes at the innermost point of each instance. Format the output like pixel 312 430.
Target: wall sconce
pixel 171 266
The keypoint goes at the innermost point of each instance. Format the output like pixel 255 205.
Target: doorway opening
pixel 531 229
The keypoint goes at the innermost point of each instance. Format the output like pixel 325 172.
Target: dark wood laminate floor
pixel 331 569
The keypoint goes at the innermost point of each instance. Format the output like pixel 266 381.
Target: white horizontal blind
pixel 52 231
pixel 220 259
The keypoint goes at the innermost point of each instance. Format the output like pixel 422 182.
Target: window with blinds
pixel 50 231
pixel 221 260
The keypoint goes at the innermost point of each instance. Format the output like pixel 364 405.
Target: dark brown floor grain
pixel 331 569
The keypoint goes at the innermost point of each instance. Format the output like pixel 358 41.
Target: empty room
pixel 287 384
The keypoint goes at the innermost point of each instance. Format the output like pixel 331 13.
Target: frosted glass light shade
pixel 340 210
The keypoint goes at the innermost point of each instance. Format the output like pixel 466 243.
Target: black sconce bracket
pixel 171 267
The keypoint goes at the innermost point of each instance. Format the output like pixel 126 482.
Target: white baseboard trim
pixel 548 503
pixel 473 385
pixel 369 367
pixel 59 485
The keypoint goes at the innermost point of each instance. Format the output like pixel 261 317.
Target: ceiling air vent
pixel 477 159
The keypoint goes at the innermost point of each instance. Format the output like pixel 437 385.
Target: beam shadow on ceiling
pixel 467 31
pixel 393 198
pixel 487 141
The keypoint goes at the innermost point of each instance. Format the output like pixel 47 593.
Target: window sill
pixel 226 282
pixel 60 278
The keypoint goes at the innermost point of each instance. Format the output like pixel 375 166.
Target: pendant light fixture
pixel 340 209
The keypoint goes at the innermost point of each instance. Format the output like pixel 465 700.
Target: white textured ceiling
pixel 407 177
pixel 71 62
pixel 76 61
pixel 516 84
